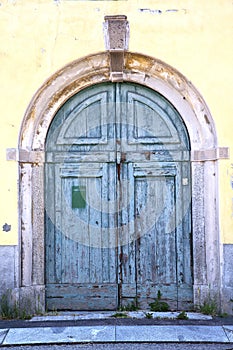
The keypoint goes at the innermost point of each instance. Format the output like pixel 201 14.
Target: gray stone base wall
pixel 227 290
pixel 9 268
pixel 206 293
pixel 31 299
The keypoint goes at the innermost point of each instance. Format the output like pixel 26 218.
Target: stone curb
pixel 116 334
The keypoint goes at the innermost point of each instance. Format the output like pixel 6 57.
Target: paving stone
pixel 49 335
pixel 91 316
pixel 136 314
pixel 165 315
pixel 229 332
pixel 72 316
pixel 198 316
pixel 3 333
pixel 171 334
pixel 53 318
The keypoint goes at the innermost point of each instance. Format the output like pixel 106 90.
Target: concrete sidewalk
pixel 59 332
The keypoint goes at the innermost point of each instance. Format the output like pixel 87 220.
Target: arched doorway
pixel 117 201
pixel 174 87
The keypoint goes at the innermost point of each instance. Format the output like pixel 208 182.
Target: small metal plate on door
pixel 78 197
pixel 185 181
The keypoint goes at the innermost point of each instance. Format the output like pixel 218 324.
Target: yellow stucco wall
pixel 40 36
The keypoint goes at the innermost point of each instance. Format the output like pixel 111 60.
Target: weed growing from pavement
pixel 158 305
pixel 130 307
pixel 182 316
pixel 209 307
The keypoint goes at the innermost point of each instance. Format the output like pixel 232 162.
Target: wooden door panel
pixel 81 245
pixel 126 235
pixel 150 120
pixel 150 123
pixel 156 244
pixel 85 252
pixel 85 120
pixel 82 297
pixel 148 292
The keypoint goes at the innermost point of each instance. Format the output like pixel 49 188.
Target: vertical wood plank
pixel 111 197
pixel 105 225
pixel 95 223
pixel 58 226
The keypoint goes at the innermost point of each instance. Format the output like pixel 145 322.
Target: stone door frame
pixel 205 154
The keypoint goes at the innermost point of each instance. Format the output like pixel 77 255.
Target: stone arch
pixel 140 69
pixel 157 75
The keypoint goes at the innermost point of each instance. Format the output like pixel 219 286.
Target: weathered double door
pixel 117 201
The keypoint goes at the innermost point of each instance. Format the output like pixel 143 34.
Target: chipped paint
pixel 160 12
pixel 156 11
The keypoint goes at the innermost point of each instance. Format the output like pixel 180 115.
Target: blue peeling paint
pixel 151 11
pixel 6 227
pixel 172 10
pixel 159 12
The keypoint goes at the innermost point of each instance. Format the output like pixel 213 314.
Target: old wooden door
pixel 117 201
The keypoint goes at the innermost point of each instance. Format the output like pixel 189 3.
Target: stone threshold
pixel 87 315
